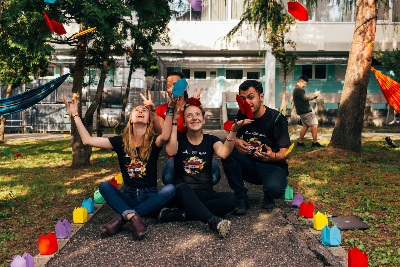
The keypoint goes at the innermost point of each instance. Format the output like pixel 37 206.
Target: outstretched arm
pixel 223 150
pixel 87 139
pixel 172 145
pixel 166 129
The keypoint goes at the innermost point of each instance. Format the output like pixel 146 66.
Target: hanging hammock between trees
pixel 390 89
pixel 23 101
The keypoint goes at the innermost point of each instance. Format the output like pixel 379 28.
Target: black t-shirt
pixel 193 162
pixel 264 131
pixel 137 174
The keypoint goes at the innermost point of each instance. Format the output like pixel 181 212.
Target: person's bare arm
pixel 223 150
pixel 87 139
pixel 172 144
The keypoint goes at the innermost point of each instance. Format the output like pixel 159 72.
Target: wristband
pixel 230 139
pixel 75 116
pixel 170 110
pixel 169 114
pixel 174 123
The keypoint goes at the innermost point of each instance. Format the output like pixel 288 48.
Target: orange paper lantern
pixel 390 89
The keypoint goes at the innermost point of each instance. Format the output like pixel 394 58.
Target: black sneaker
pixel 171 215
pixel 391 144
pixel 222 227
pixel 241 208
pixel 300 144
pixel 316 145
pixel 268 203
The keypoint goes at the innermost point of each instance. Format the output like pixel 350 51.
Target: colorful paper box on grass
pixel 297 200
pixel 49 1
pixel 103 159
pixel 320 220
pixel 288 192
pixel 80 215
pixel 306 210
pixel 6 152
pixel 88 204
pixel 356 258
pixel 114 182
pixel 19 155
pixel 25 261
pixel 331 236
pixel 63 229
pixel 48 245
pixel 119 179
pixel 98 198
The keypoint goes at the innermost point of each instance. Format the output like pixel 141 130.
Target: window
pixel 234 74
pixel 186 72
pixel 314 71
pixel 340 72
pixel 307 71
pixel 253 75
pixel 213 74
pixel 200 74
pixel 237 9
pixel 320 72
pixel 332 11
pixel 396 9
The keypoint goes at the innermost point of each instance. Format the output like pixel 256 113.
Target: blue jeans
pixel 168 172
pixel 145 201
pixel 239 168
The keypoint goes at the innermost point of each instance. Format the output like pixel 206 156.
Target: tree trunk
pixel 349 122
pixel 283 102
pixel 99 133
pixel 80 152
pixel 97 99
pixel 3 118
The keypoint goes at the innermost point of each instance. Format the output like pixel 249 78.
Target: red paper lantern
pixel 48 245
pixel 228 125
pixel 114 182
pixel 356 258
pixel 58 27
pixel 244 107
pixel 298 11
pixel 48 23
pixel 19 155
pixel 306 210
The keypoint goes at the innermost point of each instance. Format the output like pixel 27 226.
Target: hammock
pixel 390 89
pixel 23 101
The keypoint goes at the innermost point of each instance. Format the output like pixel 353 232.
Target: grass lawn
pixel 41 188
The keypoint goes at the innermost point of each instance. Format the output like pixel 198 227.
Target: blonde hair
pixel 145 147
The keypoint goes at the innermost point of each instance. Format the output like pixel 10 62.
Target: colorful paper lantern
pixel 179 87
pixel 298 11
pixel 80 215
pixel 289 149
pixel 104 159
pixel 65 136
pixel 98 198
pixel 114 182
pixel 331 237
pixel 88 204
pixel 48 24
pixel 83 32
pixel 19 155
pixel 49 1
pixel 196 4
pixel 356 258
pixel 306 210
pixel 63 229
pixel 320 220
pixel 58 27
pixel 228 125
pixel 244 107
pixel 297 200
pixel 288 192
pixel 30 261
pixel 48 245
pixel 18 261
pixel 6 152
pixel 119 179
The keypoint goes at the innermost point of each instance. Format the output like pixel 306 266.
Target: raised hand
pixel 147 102
pixel 72 107
pixel 236 126
pixel 197 95
pixel 177 113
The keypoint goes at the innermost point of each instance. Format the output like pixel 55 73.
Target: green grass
pixel 365 185
pixel 41 188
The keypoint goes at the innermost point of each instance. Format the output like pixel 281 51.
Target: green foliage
pixel 390 61
pixel 23 35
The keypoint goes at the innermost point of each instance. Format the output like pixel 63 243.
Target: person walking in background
pixel 305 111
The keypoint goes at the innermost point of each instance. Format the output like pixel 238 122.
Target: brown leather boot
pixel 114 225
pixel 138 226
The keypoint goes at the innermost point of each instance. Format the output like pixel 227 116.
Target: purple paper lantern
pixel 196 4
pixel 297 200
pixel 30 261
pixel 63 229
pixel 18 261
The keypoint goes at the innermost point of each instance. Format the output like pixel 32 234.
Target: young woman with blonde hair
pixel 137 150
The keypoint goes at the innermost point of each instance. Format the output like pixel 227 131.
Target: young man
pixel 260 157
pixel 305 111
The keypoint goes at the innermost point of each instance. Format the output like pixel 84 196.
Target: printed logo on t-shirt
pixel 136 169
pixel 193 165
pixel 254 145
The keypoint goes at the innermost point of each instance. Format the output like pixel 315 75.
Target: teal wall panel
pixel 297 72
pixel 331 72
